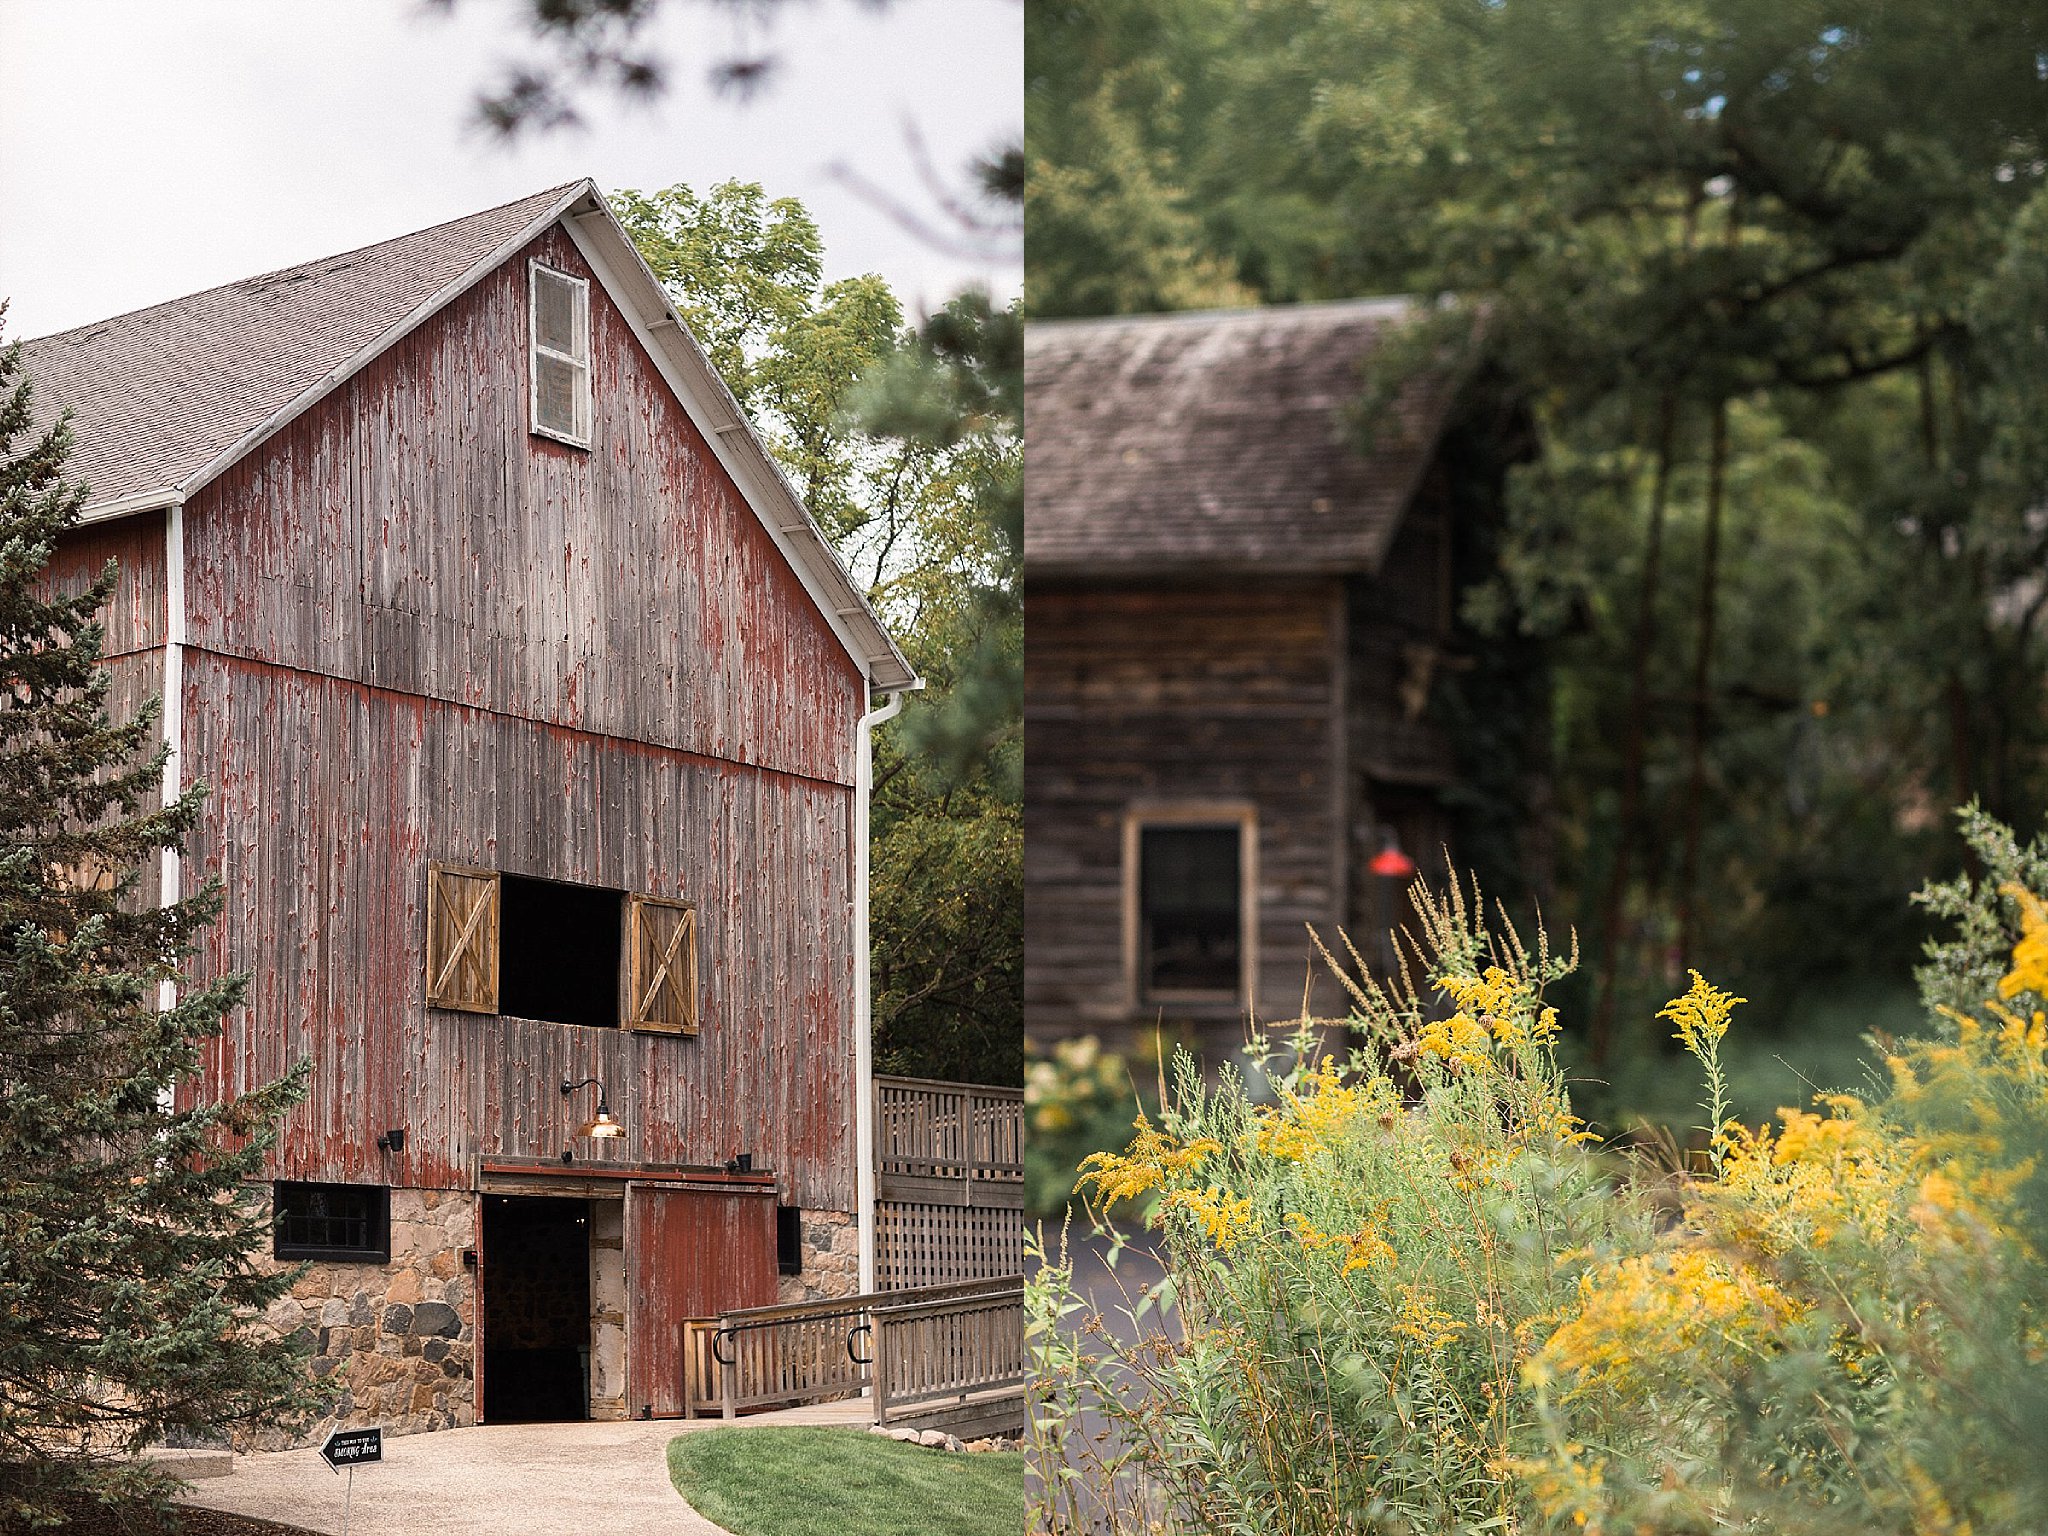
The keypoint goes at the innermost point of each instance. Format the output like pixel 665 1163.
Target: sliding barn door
pixel 690 1252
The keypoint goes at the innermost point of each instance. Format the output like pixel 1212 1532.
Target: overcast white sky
pixel 151 148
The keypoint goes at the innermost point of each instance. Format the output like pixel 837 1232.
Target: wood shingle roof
pixel 1217 440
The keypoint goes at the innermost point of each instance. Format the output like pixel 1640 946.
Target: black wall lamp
pixel 392 1140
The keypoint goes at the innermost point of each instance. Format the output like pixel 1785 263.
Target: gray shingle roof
pixel 1158 444
pixel 159 394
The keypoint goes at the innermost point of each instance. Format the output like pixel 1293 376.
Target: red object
pixel 1392 863
pixel 690 1252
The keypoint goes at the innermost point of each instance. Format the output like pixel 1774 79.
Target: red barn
pixel 535 710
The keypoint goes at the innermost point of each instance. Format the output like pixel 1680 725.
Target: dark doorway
pixel 536 1309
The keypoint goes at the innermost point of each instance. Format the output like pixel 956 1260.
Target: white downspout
pixel 168 888
pixel 863 989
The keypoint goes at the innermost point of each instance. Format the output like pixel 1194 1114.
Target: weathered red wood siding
pixel 134 616
pixel 418 632
pixel 1165 693
pixel 689 1253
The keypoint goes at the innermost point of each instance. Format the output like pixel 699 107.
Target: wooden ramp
pixel 915 1354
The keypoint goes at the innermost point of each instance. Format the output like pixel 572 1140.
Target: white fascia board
pixel 128 506
pixel 718 417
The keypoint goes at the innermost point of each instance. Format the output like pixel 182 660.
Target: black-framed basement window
pixel 1191 912
pixel 331 1221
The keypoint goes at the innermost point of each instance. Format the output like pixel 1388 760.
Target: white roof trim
pixel 699 390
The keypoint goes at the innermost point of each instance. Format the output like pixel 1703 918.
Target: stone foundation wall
pixel 831 1259
pixel 394 1343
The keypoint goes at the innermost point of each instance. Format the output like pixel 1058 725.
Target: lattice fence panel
pixel 941 1244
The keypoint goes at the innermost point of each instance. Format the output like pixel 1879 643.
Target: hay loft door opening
pixel 536 1309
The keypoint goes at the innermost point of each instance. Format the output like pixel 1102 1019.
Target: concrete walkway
pixel 495 1480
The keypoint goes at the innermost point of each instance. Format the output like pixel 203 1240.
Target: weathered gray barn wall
pixel 1175 693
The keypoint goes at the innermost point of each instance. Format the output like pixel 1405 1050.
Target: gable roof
pixel 1217 440
pixel 165 399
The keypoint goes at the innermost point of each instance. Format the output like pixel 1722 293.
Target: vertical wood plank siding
pixel 134 617
pixel 411 534
pixel 418 632
pixel 1173 693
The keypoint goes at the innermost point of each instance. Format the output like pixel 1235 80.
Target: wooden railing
pixel 814 1351
pixel 959 1142
pixel 777 1356
pixel 948 1349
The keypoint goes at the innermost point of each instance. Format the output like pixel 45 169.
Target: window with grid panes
pixel 331 1221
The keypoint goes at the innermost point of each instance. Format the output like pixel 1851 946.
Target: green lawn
pixel 835 1482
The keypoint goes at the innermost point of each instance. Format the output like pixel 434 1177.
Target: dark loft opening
pixel 1189 915
pixel 558 955
pixel 535 1292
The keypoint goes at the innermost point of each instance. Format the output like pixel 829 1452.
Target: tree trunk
pixel 1702 676
pixel 1633 741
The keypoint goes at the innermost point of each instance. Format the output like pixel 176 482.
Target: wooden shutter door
pixel 462 938
pixel 664 971
pixel 689 1253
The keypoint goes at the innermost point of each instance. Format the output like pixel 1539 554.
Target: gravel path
pixel 492 1480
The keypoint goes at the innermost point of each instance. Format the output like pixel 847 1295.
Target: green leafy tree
pixel 906 443
pixel 127 1269
pixel 1768 279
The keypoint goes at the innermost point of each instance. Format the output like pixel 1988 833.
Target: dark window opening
pixel 558 956
pixel 1190 914
pixel 789 1240
pixel 331 1221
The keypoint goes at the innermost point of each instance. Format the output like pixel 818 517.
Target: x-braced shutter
pixel 664 979
pixel 462 938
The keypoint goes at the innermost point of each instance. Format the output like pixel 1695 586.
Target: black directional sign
pixel 353 1447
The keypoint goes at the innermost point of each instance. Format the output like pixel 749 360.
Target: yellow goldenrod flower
pixel 2030 956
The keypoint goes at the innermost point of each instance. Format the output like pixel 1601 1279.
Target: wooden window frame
pixel 1186 813
pixel 643 984
pixel 437 993
pixel 580 435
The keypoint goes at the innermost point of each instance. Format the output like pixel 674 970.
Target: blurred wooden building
pixel 1236 618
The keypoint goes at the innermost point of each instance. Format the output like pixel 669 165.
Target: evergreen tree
pixel 126 1266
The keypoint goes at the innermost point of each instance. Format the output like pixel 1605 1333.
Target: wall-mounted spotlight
pixel 392 1140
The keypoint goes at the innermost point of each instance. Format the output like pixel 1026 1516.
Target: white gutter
pixel 863 988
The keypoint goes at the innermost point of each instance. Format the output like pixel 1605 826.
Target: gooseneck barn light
pixel 603 1125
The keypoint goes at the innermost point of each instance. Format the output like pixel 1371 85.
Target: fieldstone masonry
pixel 396 1342
pixel 831 1259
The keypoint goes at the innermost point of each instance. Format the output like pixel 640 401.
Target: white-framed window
pixel 1191 903
pixel 558 326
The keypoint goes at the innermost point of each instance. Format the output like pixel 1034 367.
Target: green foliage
pixel 829 1482
pixel 1843 1333
pixel 1078 1099
pixel 957 389
pixel 1824 219
pixel 128 1261
pixel 1402 1298
pixel 746 274
pixel 906 445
